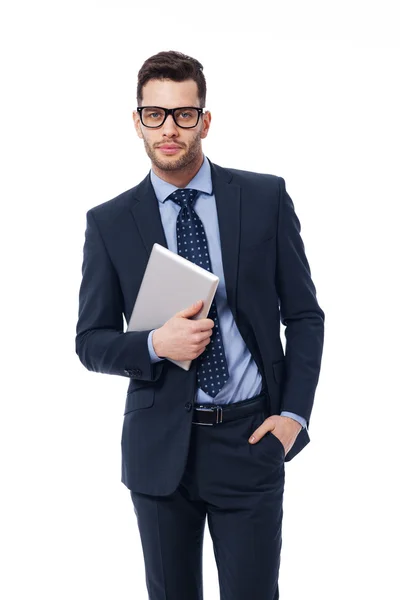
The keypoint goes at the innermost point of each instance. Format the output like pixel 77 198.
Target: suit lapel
pixel 227 198
pixel 146 213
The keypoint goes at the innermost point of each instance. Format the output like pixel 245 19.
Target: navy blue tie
pixel 212 371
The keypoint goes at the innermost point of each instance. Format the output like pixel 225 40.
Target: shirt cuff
pixel 153 356
pixel 301 420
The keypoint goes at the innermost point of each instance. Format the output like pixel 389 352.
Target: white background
pixel 324 82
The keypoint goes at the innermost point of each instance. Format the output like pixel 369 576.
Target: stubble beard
pixel 175 164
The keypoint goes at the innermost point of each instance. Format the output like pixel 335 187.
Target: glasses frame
pixel 170 111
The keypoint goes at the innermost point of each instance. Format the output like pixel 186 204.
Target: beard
pixel 193 149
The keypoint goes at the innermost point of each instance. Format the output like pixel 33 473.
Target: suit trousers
pixel 239 486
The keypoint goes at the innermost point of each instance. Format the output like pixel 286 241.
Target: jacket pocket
pixel 140 398
pixel 255 243
pixel 137 384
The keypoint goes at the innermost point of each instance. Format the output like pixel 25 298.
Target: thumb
pixel 266 426
pixel 191 310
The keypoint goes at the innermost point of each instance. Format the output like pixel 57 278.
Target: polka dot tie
pixel 212 371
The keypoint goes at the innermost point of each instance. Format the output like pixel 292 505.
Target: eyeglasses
pixel 184 116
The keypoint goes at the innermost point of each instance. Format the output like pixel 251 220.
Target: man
pixel 186 447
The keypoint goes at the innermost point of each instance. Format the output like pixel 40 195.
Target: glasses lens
pixel 185 117
pixel 153 117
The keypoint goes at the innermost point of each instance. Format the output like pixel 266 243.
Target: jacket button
pixel 188 406
pixel 128 372
pixel 137 371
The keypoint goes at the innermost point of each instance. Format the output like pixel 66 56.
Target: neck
pixel 182 177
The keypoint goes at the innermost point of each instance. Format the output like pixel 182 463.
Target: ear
pixel 206 124
pixel 137 123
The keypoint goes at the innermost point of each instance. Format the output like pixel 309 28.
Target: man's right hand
pixel 182 338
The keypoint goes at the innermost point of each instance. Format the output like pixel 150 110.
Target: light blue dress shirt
pixel 245 380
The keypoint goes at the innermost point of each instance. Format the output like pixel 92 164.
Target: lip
pixel 169 149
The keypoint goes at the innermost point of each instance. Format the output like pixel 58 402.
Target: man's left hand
pixel 286 430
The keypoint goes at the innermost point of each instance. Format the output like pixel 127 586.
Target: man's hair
pixel 172 65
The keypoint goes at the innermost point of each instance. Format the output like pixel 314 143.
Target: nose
pixel 169 127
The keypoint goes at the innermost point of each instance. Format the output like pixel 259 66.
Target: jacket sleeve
pixel 100 342
pixel 300 313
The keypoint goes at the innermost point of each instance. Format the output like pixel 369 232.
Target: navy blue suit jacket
pixel 119 237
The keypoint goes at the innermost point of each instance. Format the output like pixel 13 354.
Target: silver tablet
pixel 170 284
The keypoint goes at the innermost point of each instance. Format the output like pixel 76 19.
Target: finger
pixel 267 425
pixel 258 434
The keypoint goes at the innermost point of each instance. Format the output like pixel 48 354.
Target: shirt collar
pixel 201 181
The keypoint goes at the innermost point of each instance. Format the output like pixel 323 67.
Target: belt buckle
pixel 211 409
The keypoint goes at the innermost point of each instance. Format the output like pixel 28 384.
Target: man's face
pixel 172 94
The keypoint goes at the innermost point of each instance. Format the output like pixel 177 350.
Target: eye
pixel 186 114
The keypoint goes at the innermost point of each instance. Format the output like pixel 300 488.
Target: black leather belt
pixel 213 414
